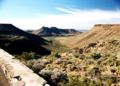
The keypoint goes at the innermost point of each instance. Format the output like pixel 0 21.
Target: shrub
pixel 30 63
pixel 114 42
pixel 26 56
pixel 81 82
pixel 59 76
pixel 109 79
pixel 57 55
pixel 95 72
pixel 81 51
pixel 38 66
pixel 95 55
pixel 92 45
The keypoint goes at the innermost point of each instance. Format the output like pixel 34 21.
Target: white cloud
pixel 71 18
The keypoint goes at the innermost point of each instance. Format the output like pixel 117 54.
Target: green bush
pixel 57 55
pixel 30 63
pixel 92 44
pixel 83 82
pixel 96 56
pixel 38 67
pixel 26 56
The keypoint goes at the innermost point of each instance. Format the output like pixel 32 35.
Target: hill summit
pixel 16 41
pixel 10 29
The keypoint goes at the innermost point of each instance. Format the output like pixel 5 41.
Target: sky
pixel 75 14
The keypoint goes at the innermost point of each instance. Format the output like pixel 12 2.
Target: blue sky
pixel 32 14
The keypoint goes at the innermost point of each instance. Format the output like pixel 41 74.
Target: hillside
pixel 98 32
pixel 97 64
pixel 53 31
pixel 16 41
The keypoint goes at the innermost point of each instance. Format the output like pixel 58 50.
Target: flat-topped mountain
pixel 98 32
pixel 107 26
pixel 54 31
pixel 16 41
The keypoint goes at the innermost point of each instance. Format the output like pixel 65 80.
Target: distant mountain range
pixel 54 31
pixel 16 41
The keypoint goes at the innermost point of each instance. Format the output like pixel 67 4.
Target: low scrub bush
pixel 96 56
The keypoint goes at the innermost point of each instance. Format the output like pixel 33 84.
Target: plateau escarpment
pixel 98 32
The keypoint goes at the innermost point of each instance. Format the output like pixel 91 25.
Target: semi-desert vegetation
pixel 59 42
pixel 94 64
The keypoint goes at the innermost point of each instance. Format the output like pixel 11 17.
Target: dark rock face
pixel 16 41
pixel 53 31
pixel 10 29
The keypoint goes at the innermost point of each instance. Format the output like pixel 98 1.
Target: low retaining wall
pixel 14 73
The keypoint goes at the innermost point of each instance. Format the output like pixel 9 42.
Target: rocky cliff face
pixel 14 73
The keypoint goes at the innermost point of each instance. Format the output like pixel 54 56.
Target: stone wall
pixel 14 73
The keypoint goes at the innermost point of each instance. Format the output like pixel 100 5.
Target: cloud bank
pixel 69 18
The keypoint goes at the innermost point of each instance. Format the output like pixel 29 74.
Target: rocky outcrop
pixel 14 73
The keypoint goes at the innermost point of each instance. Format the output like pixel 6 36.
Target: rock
pixel 46 73
pixel 38 66
pixel 58 61
pixel 58 75
pixel 46 85
pixel 3 80
pixel 19 83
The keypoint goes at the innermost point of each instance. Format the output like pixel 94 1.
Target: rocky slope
pixel 53 31
pixel 98 32
pixel 97 64
pixel 14 73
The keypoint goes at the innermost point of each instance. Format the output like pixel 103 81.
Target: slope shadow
pixel 16 41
